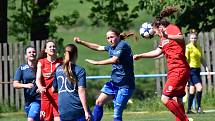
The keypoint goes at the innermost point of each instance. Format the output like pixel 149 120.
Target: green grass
pixel 128 116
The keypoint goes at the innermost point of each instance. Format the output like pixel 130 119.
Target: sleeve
pixel 107 47
pixel 54 84
pixel 18 74
pixel 119 49
pixel 173 30
pixel 81 76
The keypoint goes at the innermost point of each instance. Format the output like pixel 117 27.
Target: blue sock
pixel 118 119
pixel 98 113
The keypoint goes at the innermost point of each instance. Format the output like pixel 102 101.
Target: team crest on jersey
pixel 24 67
pixel 117 52
pixel 169 88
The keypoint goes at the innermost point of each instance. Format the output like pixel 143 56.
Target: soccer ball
pixel 146 30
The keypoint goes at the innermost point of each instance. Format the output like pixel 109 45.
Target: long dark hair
pixel 43 54
pixel 161 20
pixel 70 57
pixel 123 35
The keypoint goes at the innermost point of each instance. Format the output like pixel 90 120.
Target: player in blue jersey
pixel 121 85
pixel 25 77
pixel 70 81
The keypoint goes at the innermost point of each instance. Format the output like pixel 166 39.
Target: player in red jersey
pixel 47 64
pixel 172 45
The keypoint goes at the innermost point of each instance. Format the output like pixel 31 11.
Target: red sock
pixel 177 110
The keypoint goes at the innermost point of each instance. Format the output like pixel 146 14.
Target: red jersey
pixel 48 70
pixel 173 50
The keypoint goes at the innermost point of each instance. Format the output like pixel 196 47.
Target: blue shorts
pixel 195 76
pixel 121 97
pixel 33 110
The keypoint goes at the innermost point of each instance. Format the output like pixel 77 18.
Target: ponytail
pixel 70 56
pixel 160 20
pixel 123 35
pixel 169 10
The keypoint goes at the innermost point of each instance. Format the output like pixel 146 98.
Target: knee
pixel 164 100
pixel 99 102
pixel 199 88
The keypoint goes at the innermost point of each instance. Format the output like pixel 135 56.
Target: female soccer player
pixel 47 64
pixel 172 45
pixel 25 77
pixel 70 81
pixel 121 86
pixel 195 59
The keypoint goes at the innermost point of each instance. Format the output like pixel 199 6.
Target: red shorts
pixel 176 82
pixel 49 106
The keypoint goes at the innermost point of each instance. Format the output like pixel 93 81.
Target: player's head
pixel 49 49
pixel 70 57
pixel 193 36
pixel 30 53
pixel 161 21
pixel 113 36
pixel 70 53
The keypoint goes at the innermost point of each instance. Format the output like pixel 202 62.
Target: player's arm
pixel 82 95
pixel 178 37
pixel 38 78
pixel 203 61
pixel 17 80
pixel 18 85
pixel 151 54
pixel 112 60
pixel 89 44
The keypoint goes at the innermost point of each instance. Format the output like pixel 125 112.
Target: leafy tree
pixel 21 23
pixel 114 13
pixel 3 21
pixel 198 14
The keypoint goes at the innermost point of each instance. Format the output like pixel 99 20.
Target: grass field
pixel 128 116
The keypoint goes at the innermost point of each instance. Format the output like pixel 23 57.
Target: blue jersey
pixel 123 71
pixel 25 74
pixel 69 103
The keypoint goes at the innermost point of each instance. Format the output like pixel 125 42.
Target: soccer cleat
pixel 199 110
pixel 190 112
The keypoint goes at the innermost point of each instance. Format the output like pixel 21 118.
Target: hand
pixel 41 89
pixel 165 35
pixel 77 40
pixel 137 57
pixel 87 116
pixel 209 76
pixel 91 61
pixel 29 85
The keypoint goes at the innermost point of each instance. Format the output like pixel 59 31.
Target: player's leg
pixel 174 107
pixel 46 113
pixel 190 98
pixel 106 95
pixel 34 111
pixel 199 96
pixel 120 102
pixel 98 108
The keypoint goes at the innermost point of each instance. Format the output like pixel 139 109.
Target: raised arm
pixel 151 54
pixel 89 44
